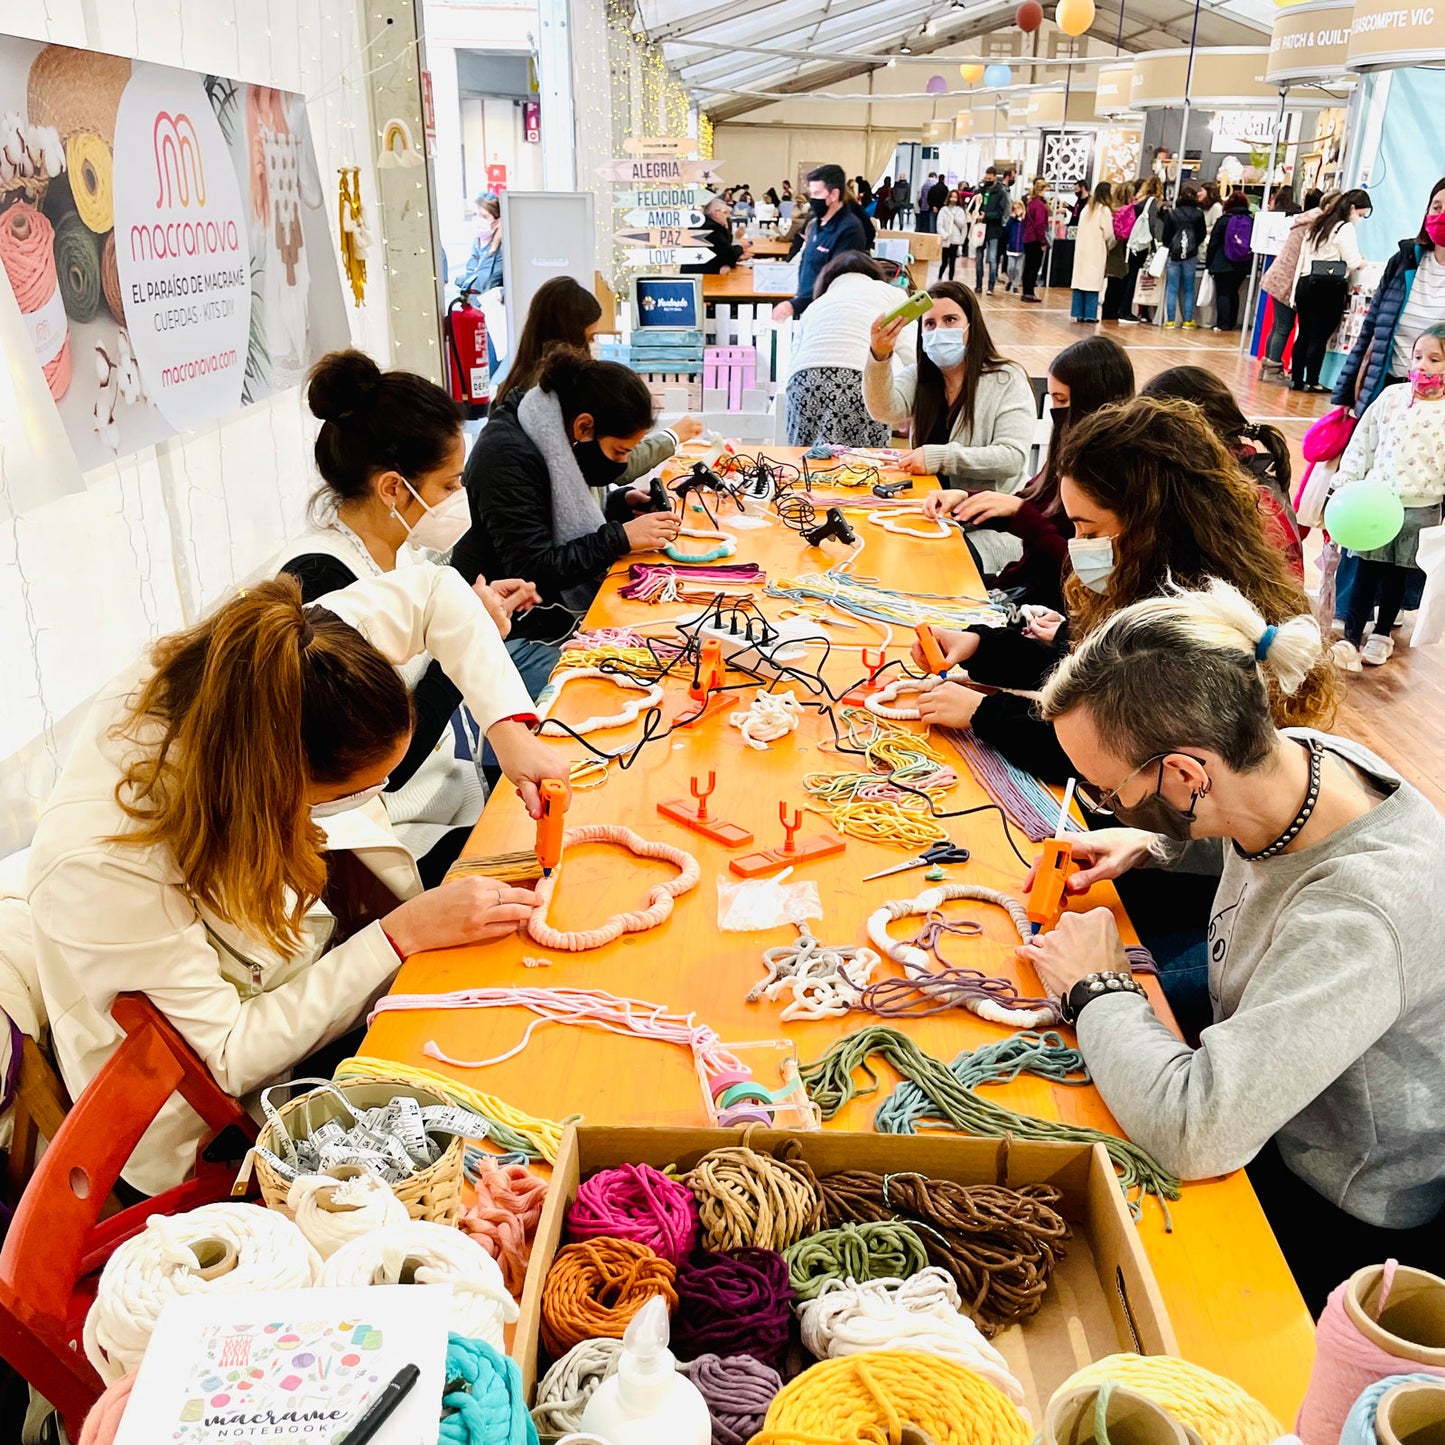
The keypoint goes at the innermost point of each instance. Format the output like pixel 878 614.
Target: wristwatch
pixel 1096 985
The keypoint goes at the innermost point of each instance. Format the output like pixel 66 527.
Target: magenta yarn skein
pixel 636 1202
pixel 738 1390
pixel 738 1303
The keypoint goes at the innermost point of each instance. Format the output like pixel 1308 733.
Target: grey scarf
pixel 575 512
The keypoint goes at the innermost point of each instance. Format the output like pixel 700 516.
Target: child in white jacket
pixel 1400 443
pixel 952 234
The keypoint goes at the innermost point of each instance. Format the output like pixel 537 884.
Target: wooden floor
pixel 1398 709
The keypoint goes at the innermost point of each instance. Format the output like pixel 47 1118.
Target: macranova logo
pixel 180 179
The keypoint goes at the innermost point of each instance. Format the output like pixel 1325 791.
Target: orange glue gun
pixel 549 825
pixel 711 671
pixel 932 652
pixel 1051 873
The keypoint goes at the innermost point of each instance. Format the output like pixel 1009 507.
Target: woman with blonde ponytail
pixel 183 855
pixel 1324 1067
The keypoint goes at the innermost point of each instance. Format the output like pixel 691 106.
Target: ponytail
pixel 1271 438
pixel 614 396
pixel 252 705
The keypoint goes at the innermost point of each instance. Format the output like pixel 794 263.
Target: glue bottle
pixel 647 1402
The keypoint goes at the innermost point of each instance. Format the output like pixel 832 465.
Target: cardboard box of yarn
pixel 1102 1297
pixel 433 1193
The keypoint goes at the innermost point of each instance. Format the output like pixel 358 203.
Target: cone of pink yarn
pixel 504 1218
pixel 636 1202
pixel 1347 1361
pixel 103 1422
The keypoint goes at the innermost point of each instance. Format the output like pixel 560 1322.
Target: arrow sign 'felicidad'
pixel 641 170
pixel 662 236
pixel 678 217
pixel 653 198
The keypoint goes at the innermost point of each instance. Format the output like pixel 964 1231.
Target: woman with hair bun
pixel 542 478
pixel 181 853
pixel 1323 1069
pixel 389 452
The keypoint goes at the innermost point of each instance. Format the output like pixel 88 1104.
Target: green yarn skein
pixel 860 1252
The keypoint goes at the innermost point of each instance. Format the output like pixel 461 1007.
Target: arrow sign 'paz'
pixel 662 236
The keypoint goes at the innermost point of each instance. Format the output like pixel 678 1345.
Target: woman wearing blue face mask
pixel 1152 495
pixel 389 453
pixel 968 411
pixel 178 855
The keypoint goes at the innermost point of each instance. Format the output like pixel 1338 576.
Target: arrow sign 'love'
pixel 663 236
pixel 669 256
pixel 677 217
pixel 638 171
pixel 660 197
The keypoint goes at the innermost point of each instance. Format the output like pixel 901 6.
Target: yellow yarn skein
pixel 1215 1408
pixel 870 1396
pixel 88 160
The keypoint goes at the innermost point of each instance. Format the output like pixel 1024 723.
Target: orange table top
pixel 1233 1304
pixel 738 285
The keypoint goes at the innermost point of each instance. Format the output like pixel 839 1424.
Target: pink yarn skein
pixel 1346 1362
pixel 102 1423
pixel 636 1202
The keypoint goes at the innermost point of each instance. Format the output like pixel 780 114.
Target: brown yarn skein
pixel 1000 1245
pixel 748 1200
pixel 594 1288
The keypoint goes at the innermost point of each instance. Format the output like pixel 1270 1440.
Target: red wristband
pixel 395 947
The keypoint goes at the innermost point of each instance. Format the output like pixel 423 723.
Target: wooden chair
pixel 37 1112
pixel 57 1241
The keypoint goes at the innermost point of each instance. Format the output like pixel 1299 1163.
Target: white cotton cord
pixel 332 1212
pixel 217 1249
pixel 420 1252
pixel 770 717
pixel 878 702
pixel 571 1382
pixel 920 1313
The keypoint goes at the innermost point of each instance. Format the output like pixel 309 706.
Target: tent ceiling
pixel 723 50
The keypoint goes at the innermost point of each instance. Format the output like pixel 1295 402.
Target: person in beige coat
pixel 182 854
pixel 1091 254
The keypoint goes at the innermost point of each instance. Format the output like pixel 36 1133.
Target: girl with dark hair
pixel 185 847
pixel 830 349
pixel 532 476
pixel 389 451
pixel 1082 378
pixel 969 412
pixel 1269 467
pixel 1329 258
pixel 1227 258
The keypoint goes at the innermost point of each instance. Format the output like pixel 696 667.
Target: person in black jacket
pixel 531 480
pixel 1153 497
pixel 1228 273
pixel 1183 234
pixel 726 253
pixel 837 226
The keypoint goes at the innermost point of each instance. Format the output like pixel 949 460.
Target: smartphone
pixel 917 305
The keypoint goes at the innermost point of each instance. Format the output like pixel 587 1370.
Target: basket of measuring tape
pixel 411 1138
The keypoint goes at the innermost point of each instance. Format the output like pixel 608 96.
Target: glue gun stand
pixel 796 850
pixel 694 815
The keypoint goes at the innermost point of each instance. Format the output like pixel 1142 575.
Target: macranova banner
pixel 166 236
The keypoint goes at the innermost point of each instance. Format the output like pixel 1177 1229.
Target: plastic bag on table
pixel 754 905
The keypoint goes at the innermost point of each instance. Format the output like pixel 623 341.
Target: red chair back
pixel 56 1242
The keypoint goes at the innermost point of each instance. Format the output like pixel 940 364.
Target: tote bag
pixel 1158 260
pixel 1148 289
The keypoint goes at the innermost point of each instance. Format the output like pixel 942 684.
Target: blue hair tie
pixel 1266 641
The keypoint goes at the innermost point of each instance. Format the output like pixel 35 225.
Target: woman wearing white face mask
pixel 178 854
pixel 389 451
pixel 1153 495
pixel 969 412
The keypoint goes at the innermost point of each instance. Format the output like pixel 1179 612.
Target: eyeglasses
pixel 1106 800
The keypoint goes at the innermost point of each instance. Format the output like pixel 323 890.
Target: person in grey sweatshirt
pixel 1325 1063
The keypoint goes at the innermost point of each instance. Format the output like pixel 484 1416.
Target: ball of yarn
pixel 563 1392
pixel 217 1249
pixel 332 1212
pixel 854 1251
pixel 748 1200
pixel 636 1201
pixel 734 1304
pixel 102 1421
pixel 504 1218
pixel 594 1288
pixel 922 1314
pixel 738 1390
pixel 865 1397
pixel 1215 1408
pixel 88 161
pixel 77 268
pixel 419 1252
pixel 487 1405
pixel 110 280
pixel 27 251
pixel 1359 1428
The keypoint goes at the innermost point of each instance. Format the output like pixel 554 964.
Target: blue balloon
pixel 997 76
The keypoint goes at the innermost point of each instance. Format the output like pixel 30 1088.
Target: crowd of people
pixel 356 694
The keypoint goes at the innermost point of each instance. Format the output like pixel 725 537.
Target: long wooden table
pixel 1233 1303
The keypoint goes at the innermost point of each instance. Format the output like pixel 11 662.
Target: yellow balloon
pixel 971 73
pixel 1074 16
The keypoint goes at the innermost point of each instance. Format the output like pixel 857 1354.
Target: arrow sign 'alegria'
pixel 640 170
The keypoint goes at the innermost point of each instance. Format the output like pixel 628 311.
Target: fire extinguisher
pixel 468 375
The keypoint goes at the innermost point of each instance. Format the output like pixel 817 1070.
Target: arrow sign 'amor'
pixel 677 217
pixel 663 236
pixel 660 197
pixel 638 171
pixel 669 256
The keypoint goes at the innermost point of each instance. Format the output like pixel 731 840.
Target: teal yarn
pixel 1360 1422
pixel 482 1403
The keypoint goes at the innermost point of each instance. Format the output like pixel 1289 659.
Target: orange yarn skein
pixel 594 1288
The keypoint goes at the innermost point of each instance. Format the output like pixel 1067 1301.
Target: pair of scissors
pixel 931 857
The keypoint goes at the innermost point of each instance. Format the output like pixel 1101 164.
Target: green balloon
pixel 1363 516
